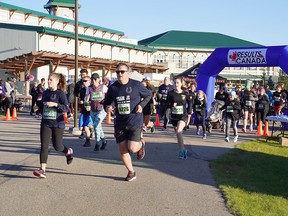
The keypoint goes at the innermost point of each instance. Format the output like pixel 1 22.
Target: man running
pixel 126 95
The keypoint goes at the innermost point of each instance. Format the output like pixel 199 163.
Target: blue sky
pixel 259 21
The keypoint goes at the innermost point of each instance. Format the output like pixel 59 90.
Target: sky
pixel 259 21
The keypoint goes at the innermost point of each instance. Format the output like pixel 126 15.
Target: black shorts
pixel 250 109
pixel 127 133
pixel 174 122
pixel 147 110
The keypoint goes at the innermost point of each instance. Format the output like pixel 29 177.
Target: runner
pixel 126 94
pixel 178 99
pixel 97 95
pixel 199 108
pixel 52 124
pixel 192 95
pixel 162 95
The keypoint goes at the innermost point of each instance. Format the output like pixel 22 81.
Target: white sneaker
pixel 227 139
pixel 235 139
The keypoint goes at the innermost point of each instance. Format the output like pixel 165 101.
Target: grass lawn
pixel 254 178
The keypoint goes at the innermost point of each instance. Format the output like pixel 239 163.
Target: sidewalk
pixel 94 183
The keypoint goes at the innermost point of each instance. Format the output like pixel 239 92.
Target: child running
pixel 232 108
pixel 177 100
pixel 199 109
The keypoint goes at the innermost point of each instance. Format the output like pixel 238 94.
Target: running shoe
pixel 226 139
pixel 235 138
pixel 82 136
pixel 40 173
pixel 97 147
pixel 204 136
pixel 144 128
pixel 183 154
pixel 69 157
pixel 243 130
pixel 141 152
pixel 130 176
pixel 198 131
pixel 87 143
pixel 104 144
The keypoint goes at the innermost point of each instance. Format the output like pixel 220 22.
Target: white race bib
pixel 178 110
pixel 96 96
pixel 277 98
pixel 261 106
pixel 248 103
pixel 229 109
pixel 198 108
pixel 124 108
pixel 50 113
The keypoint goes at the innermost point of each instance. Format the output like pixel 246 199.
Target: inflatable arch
pixel 238 57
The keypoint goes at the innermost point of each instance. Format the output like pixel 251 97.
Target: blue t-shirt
pixel 126 98
pixel 53 116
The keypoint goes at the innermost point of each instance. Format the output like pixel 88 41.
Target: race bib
pixel 96 96
pixel 248 103
pixel 277 98
pixel 39 98
pixel 260 106
pixel 229 109
pixel 164 97
pixel 50 113
pixel 198 108
pixel 124 108
pixel 178 110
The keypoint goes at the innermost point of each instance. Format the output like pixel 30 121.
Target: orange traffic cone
pixel 260 129
pixel 14 114
pixel 8 116
pixel 108 118
pixel 65 117
pixel 266 130
pixel 157 121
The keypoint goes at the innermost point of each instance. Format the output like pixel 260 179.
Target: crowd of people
pixel 133 102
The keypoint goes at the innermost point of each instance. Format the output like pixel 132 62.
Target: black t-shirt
pixel 53 116
pixel 126 97
pixel 164 89
pixel 222 97
pixel 180 104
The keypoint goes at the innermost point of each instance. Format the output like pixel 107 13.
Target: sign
pixel 247 56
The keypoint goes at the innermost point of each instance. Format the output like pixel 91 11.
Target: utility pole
pixel 76 64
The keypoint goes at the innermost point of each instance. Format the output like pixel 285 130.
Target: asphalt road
pixel 94 183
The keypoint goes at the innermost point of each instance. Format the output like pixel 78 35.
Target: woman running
pixel 199 108
pixel 52 124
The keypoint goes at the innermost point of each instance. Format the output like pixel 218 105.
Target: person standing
pixel 97 93
pixel 249 99
pixel 34 94
pixel 9 91
pixel 262 105
pixel 126 95
pixel 40 89
pixel 178 100
pixel 52 124
pixel 70 98
pixel 162 95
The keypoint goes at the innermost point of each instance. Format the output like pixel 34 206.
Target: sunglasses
pixel 121 71
pixel 85 80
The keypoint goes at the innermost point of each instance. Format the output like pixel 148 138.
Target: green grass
pixel 254 178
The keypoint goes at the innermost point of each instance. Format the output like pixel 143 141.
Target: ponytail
pixel 62 81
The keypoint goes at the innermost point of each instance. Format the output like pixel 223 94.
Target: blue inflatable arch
pixel 238 57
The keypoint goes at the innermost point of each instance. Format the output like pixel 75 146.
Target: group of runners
pixel 132 104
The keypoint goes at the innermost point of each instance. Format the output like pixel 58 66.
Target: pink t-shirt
pixel 97 95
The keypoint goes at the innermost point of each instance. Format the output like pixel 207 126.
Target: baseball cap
pixel 146 79
pixel 95 76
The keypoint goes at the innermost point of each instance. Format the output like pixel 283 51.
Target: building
pixel 40 43
pixel 180 50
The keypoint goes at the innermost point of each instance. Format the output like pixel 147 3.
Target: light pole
pixel 76 63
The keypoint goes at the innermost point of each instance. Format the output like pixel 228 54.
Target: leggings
pixel 45 136
pixel 200 120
